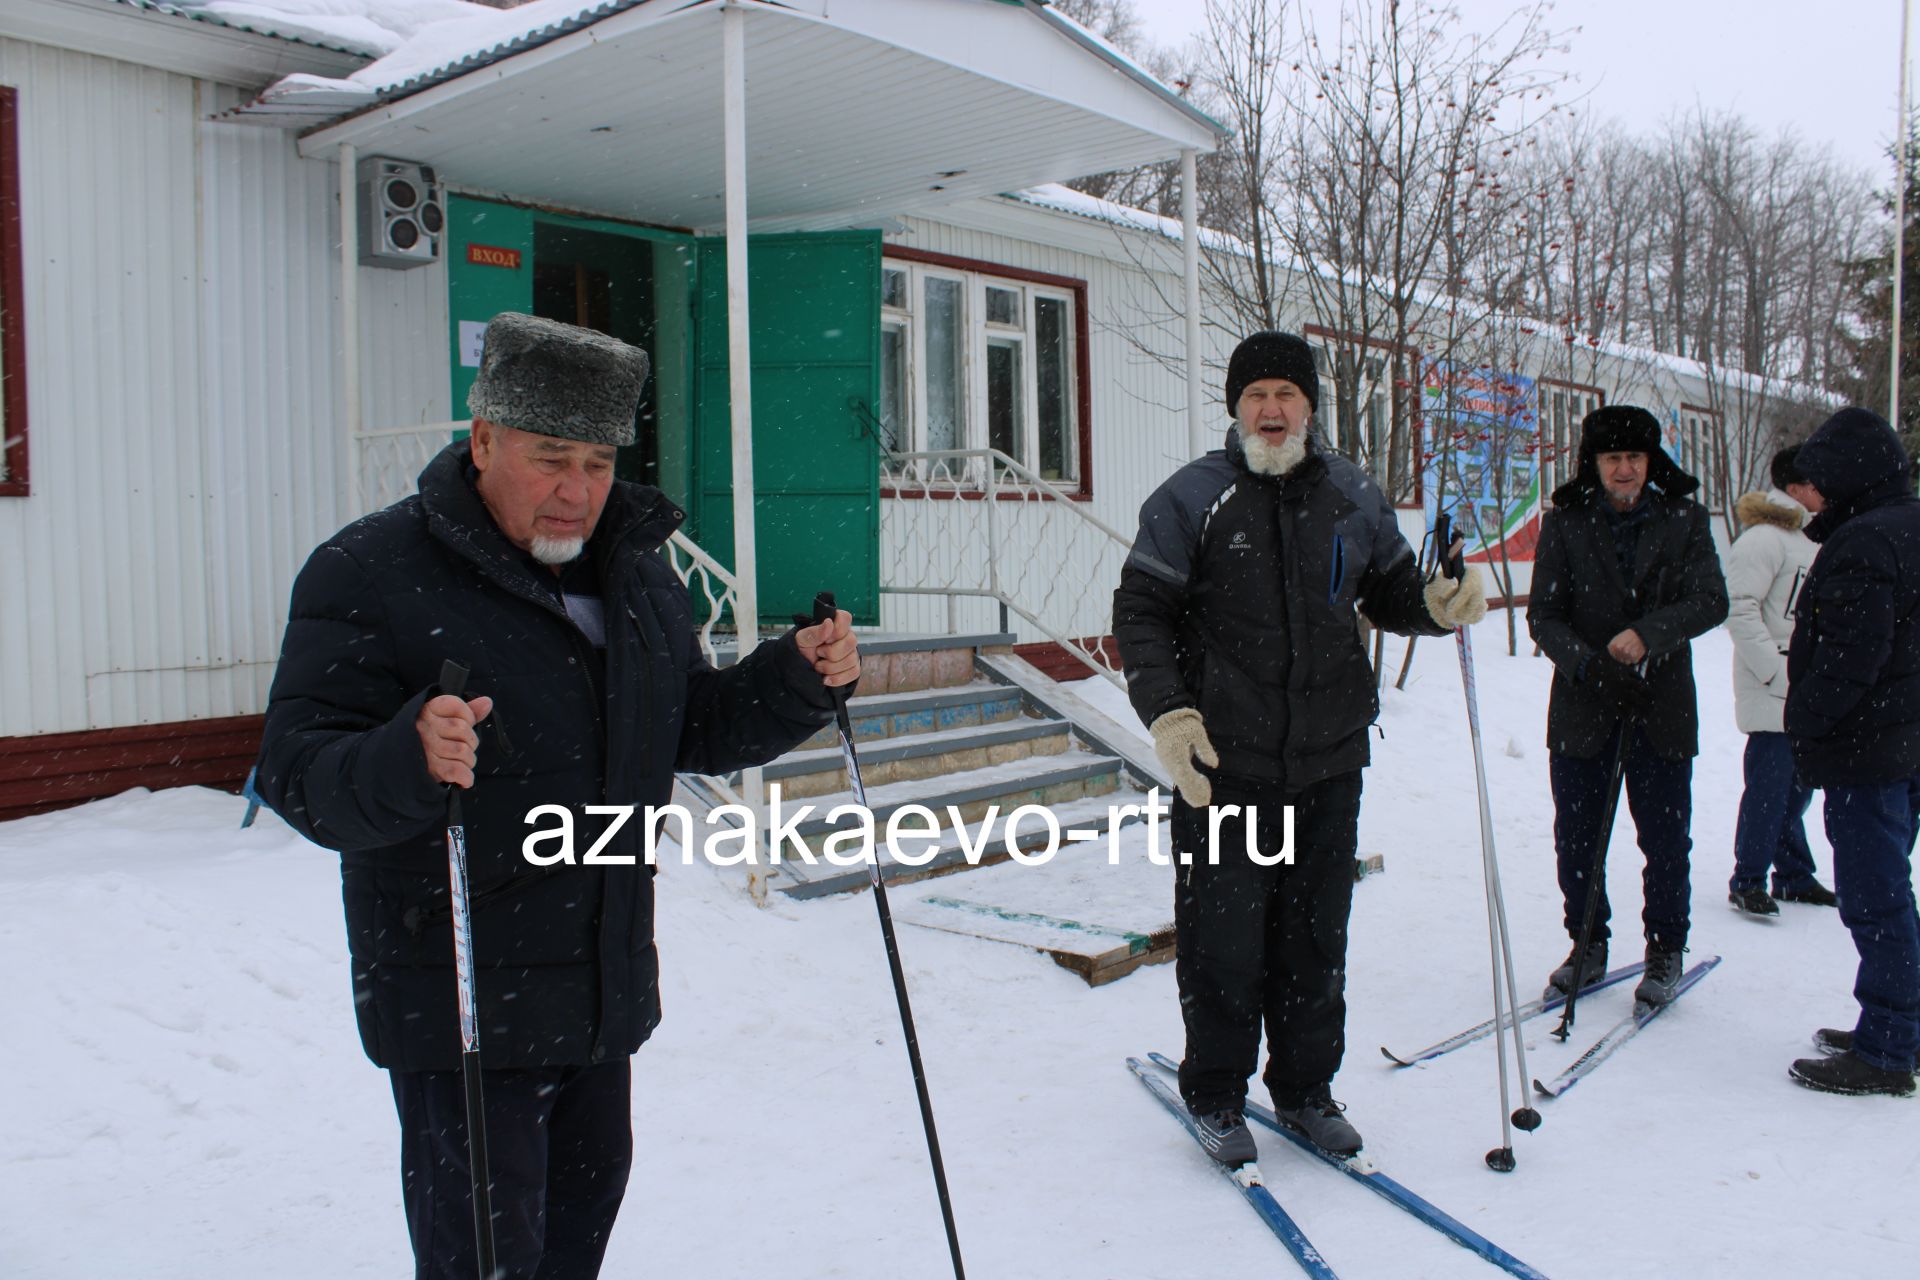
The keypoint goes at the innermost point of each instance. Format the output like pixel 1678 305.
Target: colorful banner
pixel 1482 458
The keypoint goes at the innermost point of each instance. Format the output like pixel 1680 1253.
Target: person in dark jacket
pixel 1235 618
pixel 1853 716
pixel 523 559
pixel 1625 575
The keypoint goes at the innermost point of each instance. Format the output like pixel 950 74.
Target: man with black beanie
pixel 1236 622
pixel 1625 575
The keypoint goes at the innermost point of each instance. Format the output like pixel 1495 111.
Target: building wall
pixel 1062 568
pixel 182 330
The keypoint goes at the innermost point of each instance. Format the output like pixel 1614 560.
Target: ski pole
pixel 825 611
pixel 1594 873
pixel 1499 940
pixel 453 680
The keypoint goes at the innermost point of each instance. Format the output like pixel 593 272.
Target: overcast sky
pixel 1828 68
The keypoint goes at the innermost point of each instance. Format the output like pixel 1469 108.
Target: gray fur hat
pixel 558 380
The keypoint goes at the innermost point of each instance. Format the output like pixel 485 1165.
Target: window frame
pixel 978 276
pixel 1698 427
pixel 1336 343
pixel 1565 463
pixel 14 477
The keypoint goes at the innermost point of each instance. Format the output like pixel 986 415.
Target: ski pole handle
pixel 1451 565
pixel 453 680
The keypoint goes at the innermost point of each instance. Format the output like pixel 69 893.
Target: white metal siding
pixel 182 326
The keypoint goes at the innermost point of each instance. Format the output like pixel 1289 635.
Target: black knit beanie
pixel 1270 354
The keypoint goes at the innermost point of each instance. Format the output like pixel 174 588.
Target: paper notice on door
pixel 472 332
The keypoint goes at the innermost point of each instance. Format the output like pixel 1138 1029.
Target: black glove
pixel 1622 688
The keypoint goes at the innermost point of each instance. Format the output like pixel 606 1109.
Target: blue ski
pixel 1531 1009
pixel 1619 1033
pixel 1246 1177
pixel 1361 1170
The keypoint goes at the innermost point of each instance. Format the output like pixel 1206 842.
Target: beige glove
pixel 1179 738
pixel 1457 603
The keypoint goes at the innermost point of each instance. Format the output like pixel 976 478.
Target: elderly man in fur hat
pixel 1625 575
pixel 1766 567
pixel 522 558
pixel 1236 621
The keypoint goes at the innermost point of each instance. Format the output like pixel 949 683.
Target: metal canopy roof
pixel 857 111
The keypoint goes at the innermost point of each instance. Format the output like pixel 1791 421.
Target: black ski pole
pixel 453 680
pixel 1594 873
pixel 825 611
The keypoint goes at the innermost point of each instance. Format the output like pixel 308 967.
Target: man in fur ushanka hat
pixel 522 558
pixel 1625 575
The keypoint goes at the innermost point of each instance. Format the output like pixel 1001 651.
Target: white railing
pixel 974 523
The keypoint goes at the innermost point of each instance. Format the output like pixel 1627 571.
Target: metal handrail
pixel 987 472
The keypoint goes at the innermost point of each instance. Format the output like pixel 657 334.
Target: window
pixel 13 341
pixel 1563 406
pixel 1365 412
pixel 976 357
pixel 1698 453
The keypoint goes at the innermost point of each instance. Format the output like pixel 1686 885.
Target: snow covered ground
pixel 185 1095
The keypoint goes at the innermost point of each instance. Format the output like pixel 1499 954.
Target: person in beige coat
pixel 1765 568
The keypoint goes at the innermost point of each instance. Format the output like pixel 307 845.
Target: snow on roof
pixel 415 42
pixel 340 26
pixel 1062 199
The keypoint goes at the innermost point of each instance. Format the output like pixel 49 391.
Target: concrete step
pixel 1086 819
pixel 896 715
pixel 942 753
pixel 892 662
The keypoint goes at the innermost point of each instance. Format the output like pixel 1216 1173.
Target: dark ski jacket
pixel 1581 600
pixel 1853 666
pixel 1238 599
pixel 567 973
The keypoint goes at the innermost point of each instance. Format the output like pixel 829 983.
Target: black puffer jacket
pixel 1239 599
pixel 1581 600
pixel 567 972
pixel 1853 667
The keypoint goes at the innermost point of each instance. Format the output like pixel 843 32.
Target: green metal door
pixel 489 270
pixel 815 320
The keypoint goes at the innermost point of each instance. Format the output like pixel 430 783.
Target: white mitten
pixel 1457 602
pixel 1180 738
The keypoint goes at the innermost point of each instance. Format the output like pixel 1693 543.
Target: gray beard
pixel 557 550
pixel 1273 460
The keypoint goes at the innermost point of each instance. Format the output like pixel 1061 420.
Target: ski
pixel 1363 1170
pixel 1619 1033
pixel 1246 1177
pixel 1531 1009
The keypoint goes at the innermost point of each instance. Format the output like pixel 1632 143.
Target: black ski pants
pixel 1264 944
pixel 1660 799
pixel 559 1145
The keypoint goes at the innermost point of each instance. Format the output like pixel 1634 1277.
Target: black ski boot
pixel 1831 1041
pixel 1319 1121
pixel 1560 981
pixel 1661 982
pixel 1814 894
pixel 1850 1074
pixel 1225 1136
pixel 1754 902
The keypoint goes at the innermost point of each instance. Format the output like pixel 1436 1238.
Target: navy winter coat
pixel 1580 600
pixel 1853 668
pixel 567 973
pixel 1238 599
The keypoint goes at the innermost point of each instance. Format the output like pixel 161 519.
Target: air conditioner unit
pixel 401 214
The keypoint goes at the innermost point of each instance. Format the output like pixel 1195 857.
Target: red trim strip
pixel 13 333
pixel 56 770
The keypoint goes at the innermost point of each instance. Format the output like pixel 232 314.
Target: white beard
pixel 557 550
pixel 1273 459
